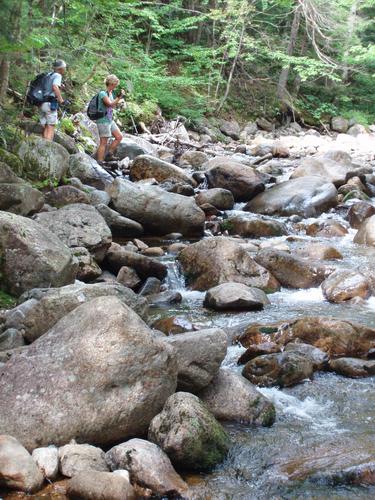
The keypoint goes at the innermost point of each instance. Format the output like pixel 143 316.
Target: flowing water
pixel 325 423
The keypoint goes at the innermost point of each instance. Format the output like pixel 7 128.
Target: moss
pixel 6 300
pixel 12 161
pixel 226 225
pixel 268 329
pixel 67 126
pixel 269 416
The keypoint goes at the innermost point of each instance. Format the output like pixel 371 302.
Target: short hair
pixel 58 64
pixel 111 80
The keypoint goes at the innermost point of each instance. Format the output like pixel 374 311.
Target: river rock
pixel 43 159
pixel 356 130
pixel 18 471
pixel 32 256
pixel 42 308
pixel 189 434
pixel 358 212
pixel 47 459
pixel 366 232
pixel 318 357
pixel 119 225
pixel 75 458
pixel 10 339
pixel 89 171
pixel 117 257
pixel 283 369
pixel 235 296
pixel 255 350
pixel 339 124
pixel 326 229
pixel 16 195
pixel 255 227
pixel 195 159
pixel 66 195
pixel 172 325
pixel 79 225
pixel 305 196
pixel 99 197
pixel 233 398
pixel 148 466
pixel 128 277
pixel 130 149
pixel 290 270
pixel 88 269
pixel 158 211
pixel 115 358
pixel 265 124
pixel 230 129
pixel 344 284
pixel 222 199
pixel 353 367
pixel 213 261
pixel 149 167
pixel 94 485
pixel 199 356
pixel 243 182
pixel 334 336
pixel 314 250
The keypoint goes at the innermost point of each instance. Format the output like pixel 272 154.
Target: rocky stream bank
pixel 193 321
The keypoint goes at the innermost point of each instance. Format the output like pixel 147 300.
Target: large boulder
pixel 43 159
pixel 79 225
pixel 243 182
pixel 305 196
pixel 18 471
pixel 230 129
pixel 17 196
pixel 233 398
pixel 189 434
pixel 194 159
pixel 339 124
pixel 290 270
pixel 332 166
pixel 66 195
pixel 359 212
pixel 119 225
pixel 213 261
pixel 43 307
pixel 98 376
pixel 94 485
pixel 235 296
pixel 148 467
pixel 32 256
pixel 199 356
pixel 366 232
pixel 158 211
pixel 345 284
pixel 254 227
pixel 47 459
pixel 75 458
pixel 149 167
pixel 353 367
pixel 222 199
pixel 318 358
pixel 89 171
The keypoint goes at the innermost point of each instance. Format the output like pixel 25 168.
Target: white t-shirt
pixel 55 79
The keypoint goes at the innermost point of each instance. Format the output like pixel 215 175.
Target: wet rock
pixel 199 356
pixel 189 434
pixel 32 256
pixel 18 471
pixel 10 339
pixel 353 367
pixel 47 459
pixel 149 167
pixel 291 271
pixel 145 267
pixel 366 232
pixel 318 358
pixel 172 325
pixel 235 296
pixel 243 182
pixel 127 276
pixel 195 159
pixel 119 225
pixel 151 286
pixel 43 307
pixel 176 248
pixel 334 336
pixel 282 369
pixel 158 211
pixel 66 195
pixel 153 252
pixel 317 251
pixel 174 186
pixel 232 397
pixel 94 485
pixel 165 298
pixel 255 350
pixel 105 362
pixel 214 261
pixel 88 170
pixel 305 196
pixel 75 458
pixel 255 227
pixel 222 199
pixel 339 124
pixel 344 284
pixel 43 159
pixel 359 212
pixel 326 229
pixel 148 466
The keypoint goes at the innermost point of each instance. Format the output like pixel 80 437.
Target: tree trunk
pixel 12 33
pixel 4 77
pixel 351 25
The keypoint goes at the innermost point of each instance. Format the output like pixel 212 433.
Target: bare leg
pixel 49 132
pixel 118 138
pixel 100 154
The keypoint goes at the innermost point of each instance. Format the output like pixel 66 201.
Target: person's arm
pixel 57 92
pixel 112 104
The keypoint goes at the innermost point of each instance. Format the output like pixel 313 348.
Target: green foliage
pixel 66 126
pixel 46 183
pixel 7 301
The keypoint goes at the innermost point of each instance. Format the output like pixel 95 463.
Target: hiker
pixel 106 125
pixel 52 93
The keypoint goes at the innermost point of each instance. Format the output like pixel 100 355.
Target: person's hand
pixel 66 103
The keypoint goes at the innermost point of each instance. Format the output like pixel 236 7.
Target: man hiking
pixel 48 109
pixel 106 125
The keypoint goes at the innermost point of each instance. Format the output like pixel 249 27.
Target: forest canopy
pixel 246 58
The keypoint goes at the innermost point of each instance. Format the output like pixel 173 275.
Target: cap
pixel 59 63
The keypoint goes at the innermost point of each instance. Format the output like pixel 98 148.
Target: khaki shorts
pixel 107 129
pixel 47 117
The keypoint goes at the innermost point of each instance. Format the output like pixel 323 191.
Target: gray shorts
pixel 107 129
pixel 47 117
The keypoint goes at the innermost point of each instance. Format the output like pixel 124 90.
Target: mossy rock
pixel 12 160
pixel 7 301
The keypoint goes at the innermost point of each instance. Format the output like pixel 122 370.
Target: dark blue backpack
pixel 36 93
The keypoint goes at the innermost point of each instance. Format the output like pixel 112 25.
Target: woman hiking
pixel 106 125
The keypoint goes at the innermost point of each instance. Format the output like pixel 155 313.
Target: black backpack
pixel 36 93
pixel 93 109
